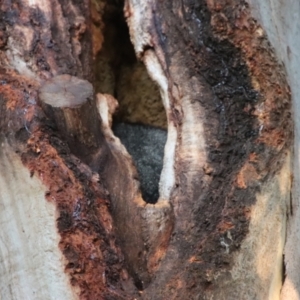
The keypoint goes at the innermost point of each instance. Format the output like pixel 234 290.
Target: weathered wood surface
pixel 77 256
pixel 219 226
pixel 281 23
pixel 69 102
pixel 228 104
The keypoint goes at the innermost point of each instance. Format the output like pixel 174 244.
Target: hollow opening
pixel 140 121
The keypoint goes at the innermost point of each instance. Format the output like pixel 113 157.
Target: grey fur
pixel 146 146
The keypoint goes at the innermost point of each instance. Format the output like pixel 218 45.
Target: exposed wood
pixel 279 20
pixel 229 103
pixel 68 101
pixel 45 39
pixel 218 228
pixel 83 228
pixel 29 238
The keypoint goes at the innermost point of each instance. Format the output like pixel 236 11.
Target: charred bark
pixel 217 229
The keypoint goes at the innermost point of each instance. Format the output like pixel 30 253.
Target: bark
pixel 71 190
pixel 76 256
pixel 217 71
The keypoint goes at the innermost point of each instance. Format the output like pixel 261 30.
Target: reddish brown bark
pixel 95 263
pixel 54 44
pixel 221 76
pixel 217 60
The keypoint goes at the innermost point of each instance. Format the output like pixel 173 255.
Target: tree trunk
pixel 74 220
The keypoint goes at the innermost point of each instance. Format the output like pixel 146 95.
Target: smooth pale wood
pixel 144 245
pixel 66 91
pixel 29 237
pixel 280 21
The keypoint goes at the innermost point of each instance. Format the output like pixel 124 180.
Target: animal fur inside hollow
pixel 146 146
pixel 144 143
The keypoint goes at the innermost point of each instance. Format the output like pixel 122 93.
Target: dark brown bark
pixel 51 44
pixel 228 112
pixel 220 68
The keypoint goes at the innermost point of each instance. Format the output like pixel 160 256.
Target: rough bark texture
pixel 92 260
pixel 230 104
pixel 40 40
pixel 217 230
